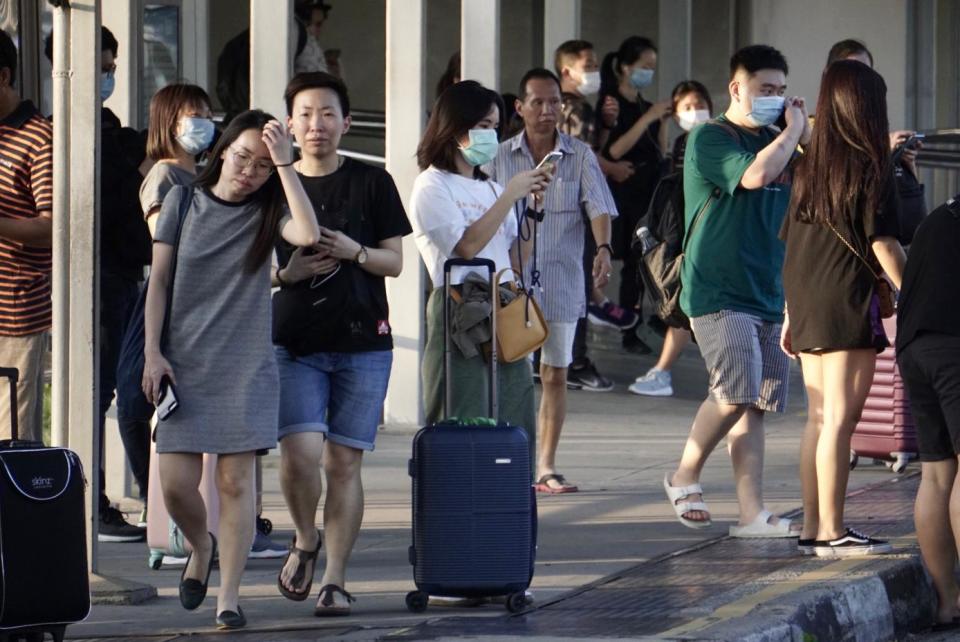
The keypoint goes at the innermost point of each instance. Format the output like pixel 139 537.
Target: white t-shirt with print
pixel 442 206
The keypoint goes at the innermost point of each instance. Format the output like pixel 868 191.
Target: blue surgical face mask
pixel 107 84
pixel 641 78
pixel 765 110
pixel 482 148
pixel 195 135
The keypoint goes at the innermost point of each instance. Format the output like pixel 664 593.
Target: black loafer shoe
pixel 193 592
pixel 230 620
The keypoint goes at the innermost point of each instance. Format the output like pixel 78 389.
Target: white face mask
pixel 590 83
pixel 691 118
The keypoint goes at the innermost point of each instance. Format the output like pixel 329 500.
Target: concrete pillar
pixel 673 62
pixel 480 42
pixel 272 39
pixel 122 17
pixel 561 22
pixel 194 40
pixel 84 130
pixel 406 104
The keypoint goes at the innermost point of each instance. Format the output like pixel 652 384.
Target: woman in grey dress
pixel 217 350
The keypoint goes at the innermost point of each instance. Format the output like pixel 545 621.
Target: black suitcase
pixel 44 585
pixel 474 508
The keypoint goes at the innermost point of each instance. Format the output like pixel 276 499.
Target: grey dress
pixel 219 337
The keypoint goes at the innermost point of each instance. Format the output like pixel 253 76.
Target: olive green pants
pixel 470 377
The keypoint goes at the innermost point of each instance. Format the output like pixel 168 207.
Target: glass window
pixel 160 63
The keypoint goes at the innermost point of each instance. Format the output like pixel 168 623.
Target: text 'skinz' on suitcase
pixel 44 584
pixel 474 509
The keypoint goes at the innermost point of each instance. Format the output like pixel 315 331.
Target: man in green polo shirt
pixel 736 182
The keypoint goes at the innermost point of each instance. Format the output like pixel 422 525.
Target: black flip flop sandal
pixel 327 607
pixel 303 558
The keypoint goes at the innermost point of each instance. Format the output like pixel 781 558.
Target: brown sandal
pixel 326 606
pixel 303 557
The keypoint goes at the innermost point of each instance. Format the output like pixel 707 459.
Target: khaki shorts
pixel 28 355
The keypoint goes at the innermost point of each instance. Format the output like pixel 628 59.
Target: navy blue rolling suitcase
pixel 44 584
pixel 474 508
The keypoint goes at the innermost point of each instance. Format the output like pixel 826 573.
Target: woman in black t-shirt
pixel 840 233
pixel 634 138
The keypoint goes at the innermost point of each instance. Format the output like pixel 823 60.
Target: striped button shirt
pixel 578 189
pixel 26 189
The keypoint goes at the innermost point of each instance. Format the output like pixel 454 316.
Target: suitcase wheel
pixel 417 601
pixel 516 602
pixel 854 458
pixel 156 560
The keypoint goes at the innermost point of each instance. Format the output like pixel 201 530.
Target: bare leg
pixel 813 382
pixel 235 485
pixel 301 482
pixel 712 423
pixel 180 480
pixel 937 504
pixel 746 443
pixel 553 411
pixel 673 344
pixel 342 510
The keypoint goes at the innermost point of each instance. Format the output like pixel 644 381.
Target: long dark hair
pixel 459 107
pixel 629 52
pixel 846 168
pixel 269 197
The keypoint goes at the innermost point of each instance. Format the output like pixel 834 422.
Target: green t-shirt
pixel 734 257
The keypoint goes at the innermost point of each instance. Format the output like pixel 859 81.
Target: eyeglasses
pixel 244 160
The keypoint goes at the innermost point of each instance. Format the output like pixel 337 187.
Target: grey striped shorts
pixel 744 359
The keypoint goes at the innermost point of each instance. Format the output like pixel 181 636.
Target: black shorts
pixel 930 366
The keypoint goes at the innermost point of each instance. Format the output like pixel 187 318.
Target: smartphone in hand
pixel 168 401
pixel 550 160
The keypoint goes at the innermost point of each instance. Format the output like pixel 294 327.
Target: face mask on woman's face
pixel 641 77
pixel 195 135
pixel 482 148
pixel 691 118
pixel 765 110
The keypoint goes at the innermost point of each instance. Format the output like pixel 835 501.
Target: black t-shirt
pixel 827 288
pixel 633 195
pixel 347 312
pixel 930 298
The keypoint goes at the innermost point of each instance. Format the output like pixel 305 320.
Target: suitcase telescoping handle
pixel 13 375
pixel 448 386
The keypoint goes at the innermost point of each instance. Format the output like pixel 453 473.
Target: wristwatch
pixel 605 246
pixel 361 256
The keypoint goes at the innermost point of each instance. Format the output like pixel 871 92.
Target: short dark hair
pixel 756 57
pixel 8 55
pixel 685 87
pixel 459 108
pixel 567 50
pixel 304 9
pixel 316 80
pixel 846 48
pixel 538 73
pixel 108 42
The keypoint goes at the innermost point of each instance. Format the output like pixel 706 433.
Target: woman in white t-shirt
pixel 457 211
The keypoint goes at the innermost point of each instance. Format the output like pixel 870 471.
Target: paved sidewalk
pixel 612 560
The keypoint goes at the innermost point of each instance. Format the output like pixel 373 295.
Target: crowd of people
pixel 789 226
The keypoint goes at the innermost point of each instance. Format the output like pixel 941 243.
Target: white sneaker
pixel 656 383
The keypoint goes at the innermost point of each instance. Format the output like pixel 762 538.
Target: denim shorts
pixel 337 393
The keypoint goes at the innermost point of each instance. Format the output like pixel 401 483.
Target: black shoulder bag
pixel 131 402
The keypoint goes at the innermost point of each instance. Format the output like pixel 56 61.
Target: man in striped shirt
pixel 26 201
pixel 578 187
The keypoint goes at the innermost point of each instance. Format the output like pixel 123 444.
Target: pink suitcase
pixel 163 536
pixel 886 430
